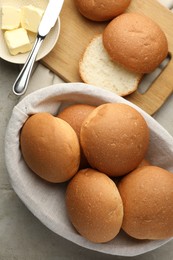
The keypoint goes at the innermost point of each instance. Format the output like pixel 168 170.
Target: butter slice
pixel 31 17
pixel 17 41
pixel 10 18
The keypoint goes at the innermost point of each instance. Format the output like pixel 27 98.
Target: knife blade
pixel 50 16
pixel 47 22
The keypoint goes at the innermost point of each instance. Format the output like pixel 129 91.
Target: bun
pixel 74 115
pixel 112 76
pixel 94 206
pixel 147 195
pixel 136 42
pixel 114 138
pixel 101 10
pixel 50 147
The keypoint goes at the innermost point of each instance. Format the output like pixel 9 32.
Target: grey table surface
pixel 22 236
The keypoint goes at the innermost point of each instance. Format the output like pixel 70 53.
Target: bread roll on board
pixel 136 42
pixel 101 10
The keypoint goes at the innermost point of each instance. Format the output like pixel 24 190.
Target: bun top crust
pixel 50 147
pixel 136 42
pixel 147 195
pixel 101 10
pixel 114 138
pixel 94 205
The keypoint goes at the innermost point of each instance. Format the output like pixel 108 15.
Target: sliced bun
pixel 50 147
pixel 74 115
pixel 94 206
pixel 147 195
pixel 101 10
pixel 114 138
pixel 136 42
pixel 97 68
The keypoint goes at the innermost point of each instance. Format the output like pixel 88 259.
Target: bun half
pixel 112 76
pixel 136 42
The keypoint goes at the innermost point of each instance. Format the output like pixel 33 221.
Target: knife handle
pixel 21 83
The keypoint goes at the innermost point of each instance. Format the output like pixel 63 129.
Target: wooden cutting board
pixel 76 33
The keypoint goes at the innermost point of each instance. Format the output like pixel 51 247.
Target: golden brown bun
pixel 94 205
pixel 114 138
pixel 136 42
pixel 147 195
pixel 101 10
pixel 75 115
pixel 50 147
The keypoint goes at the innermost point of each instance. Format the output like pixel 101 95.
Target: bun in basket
pixel 101 10
pixel 74 115
pixel 94 205
pixel 147 195
pixel 136 42
pixel 114 138
pixel 97 68
pixel 50 147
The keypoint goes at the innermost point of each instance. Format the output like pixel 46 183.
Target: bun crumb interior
pixel 97 68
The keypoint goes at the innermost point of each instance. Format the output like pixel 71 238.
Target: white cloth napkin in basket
pixel 47 201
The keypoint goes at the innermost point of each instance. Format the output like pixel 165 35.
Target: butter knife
pixel 47 22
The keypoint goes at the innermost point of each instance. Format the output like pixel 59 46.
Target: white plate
pixel 47 201
pixel 48 43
